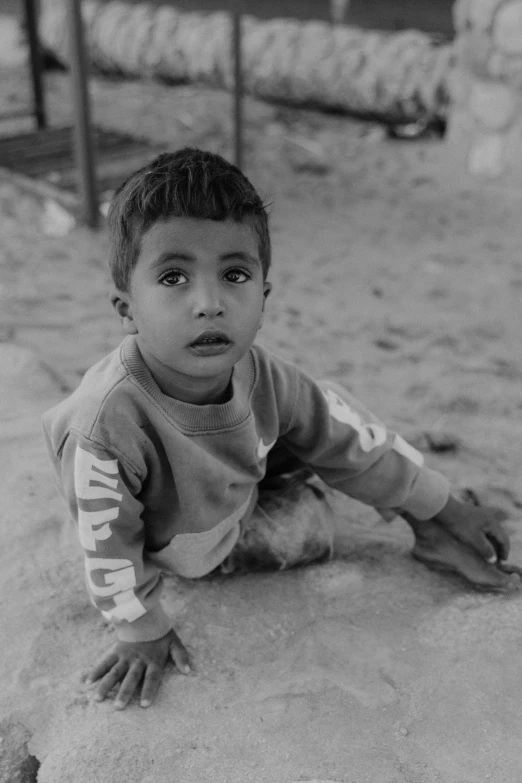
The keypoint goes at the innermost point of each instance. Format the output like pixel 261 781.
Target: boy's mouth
pixel 211 337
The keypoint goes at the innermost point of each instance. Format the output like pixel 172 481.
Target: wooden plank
pixel 47 155
pixel 59 134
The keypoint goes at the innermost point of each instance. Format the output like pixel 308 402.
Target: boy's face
pixel 194 277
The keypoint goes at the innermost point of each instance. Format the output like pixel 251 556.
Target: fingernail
pixel 119 705
pixel 492 559
pixel 145 703
pixel 185 669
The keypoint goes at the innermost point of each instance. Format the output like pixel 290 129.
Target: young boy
pixel 189 448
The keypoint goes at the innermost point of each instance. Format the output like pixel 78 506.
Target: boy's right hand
pixel 132 662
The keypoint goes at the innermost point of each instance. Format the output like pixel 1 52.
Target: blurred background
pixel 428 15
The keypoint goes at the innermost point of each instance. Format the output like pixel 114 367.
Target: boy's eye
pixel 174 277
pixel 171 278
pixel 235 273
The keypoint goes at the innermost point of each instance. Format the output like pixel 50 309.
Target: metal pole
pixel 238 83
pixel 82 118
pixel 35 61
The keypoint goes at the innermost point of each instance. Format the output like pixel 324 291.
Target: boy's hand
pixel 469 541
pixel 477 527
pixel 130 662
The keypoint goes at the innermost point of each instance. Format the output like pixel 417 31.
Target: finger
pixel 482 546
pixel 103 666
pixel 109 680
pixel 129 684
pixel 500 580
pixel 478 541
pixel 449 554
pixel 180 657
pixel 151 684
pixel 508 568
pixel 500 540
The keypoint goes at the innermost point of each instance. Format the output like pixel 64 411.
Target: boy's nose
pixel 207 303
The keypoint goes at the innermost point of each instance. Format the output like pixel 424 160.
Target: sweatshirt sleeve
pixel 121 582
pixel 355 453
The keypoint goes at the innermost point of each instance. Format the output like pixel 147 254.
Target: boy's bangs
pixel 189 183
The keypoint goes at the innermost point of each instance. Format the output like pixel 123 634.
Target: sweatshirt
pixel 156 485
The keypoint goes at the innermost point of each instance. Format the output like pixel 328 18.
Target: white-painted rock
pixel 460 15
pixel 481 13
pixel 493 104
pixel 507 31
pixel 474 51
pixel 486 156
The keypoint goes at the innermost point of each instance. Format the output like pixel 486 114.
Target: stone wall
pixel 485 127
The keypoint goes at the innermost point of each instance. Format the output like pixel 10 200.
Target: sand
pixel 391 275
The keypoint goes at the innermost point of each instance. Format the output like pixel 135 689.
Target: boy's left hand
pixel 477 527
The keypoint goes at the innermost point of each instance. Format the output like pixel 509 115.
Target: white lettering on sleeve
pixel 127 608
pixel 88 519
pixel 402 447
pixel 121 575
pixel 120 581
pixel 86 470
pixel 370 435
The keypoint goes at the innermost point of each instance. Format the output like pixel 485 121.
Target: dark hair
pixel 187 183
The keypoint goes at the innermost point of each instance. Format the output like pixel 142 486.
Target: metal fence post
pixel 35 59
pixel 82 118
pixel 238 83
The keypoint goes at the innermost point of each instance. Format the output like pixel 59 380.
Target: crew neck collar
pixel 190 417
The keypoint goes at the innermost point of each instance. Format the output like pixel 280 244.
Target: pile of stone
pixel 489 92
pixel 399 76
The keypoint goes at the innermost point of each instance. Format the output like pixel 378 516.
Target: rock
pixel 460 15
pixel 503 67
pixel 56 220
pixel 482 12
pixel 486 156
pixel 468 495
pixel 12 50
pixel 507 32
pixel 436 442
pixel 16 763
pixel 385 344
pixel 475 49
pixel 401 74
pixel 493 104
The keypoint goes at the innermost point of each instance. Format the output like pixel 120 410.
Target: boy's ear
pixel 267 287
pixel 120 302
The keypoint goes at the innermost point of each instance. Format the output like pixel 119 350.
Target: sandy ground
pixel 391 276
